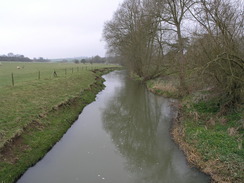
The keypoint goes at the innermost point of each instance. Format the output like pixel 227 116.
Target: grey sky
pixel 54 28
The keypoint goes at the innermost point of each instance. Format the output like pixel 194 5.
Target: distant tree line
pixel 201 41
pixel 40 59
pixel 14 58
pixel 20 58
pixel 91 60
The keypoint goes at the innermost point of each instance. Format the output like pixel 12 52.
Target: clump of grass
pixel 164 88
pixel 169 87
pixel 136 77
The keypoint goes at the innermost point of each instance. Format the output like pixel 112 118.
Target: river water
pixel 122 137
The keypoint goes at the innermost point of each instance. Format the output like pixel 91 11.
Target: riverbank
pixel 48 121
pixel 211 141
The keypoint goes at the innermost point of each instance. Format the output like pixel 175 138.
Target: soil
pixel 7 154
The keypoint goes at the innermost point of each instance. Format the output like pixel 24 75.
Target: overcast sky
pixel 54 28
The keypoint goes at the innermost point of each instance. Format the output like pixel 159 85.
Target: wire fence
pixel 18 77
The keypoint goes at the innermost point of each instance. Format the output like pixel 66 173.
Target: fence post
pixel 72 70
pixel 12 79
pixel 39 75
pixel 55 73
pixel 65 72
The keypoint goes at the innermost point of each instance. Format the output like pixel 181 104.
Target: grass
pixel 212 141
pixel 30 71
pixel 217 138
pixel 41 135
pixel 29 100
pixel 34 114
pixel 25 102
pixel 167 88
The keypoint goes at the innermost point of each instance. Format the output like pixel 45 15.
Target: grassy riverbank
pixel 211 141
pixel 32 98
pixel 35 115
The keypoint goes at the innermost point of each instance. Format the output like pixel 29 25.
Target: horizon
pixel 54 28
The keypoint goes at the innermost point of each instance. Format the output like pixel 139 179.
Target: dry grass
pixel 165 88
pixel 168 87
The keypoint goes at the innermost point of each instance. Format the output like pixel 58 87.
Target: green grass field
pixel 31 97
pixel 34 71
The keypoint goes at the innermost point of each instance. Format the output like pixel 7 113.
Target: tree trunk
pixel 182 62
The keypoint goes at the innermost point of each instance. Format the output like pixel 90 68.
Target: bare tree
pixel 146 34
pixel 172 15
pixel 220 40
pixel 131 34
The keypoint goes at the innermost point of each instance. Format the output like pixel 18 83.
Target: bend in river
pixel 122 137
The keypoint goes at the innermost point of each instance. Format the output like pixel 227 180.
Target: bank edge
pixel 191 128
pixel 41 135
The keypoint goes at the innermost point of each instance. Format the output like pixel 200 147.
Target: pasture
pixel 31 97
pixel 26 71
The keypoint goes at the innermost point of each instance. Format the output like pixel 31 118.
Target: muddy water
pixel 122 137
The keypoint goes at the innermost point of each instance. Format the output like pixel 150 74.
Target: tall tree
pixel 172 15
pixel 131 34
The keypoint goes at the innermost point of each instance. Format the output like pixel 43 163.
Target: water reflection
pixel 138 122
pixel 135 146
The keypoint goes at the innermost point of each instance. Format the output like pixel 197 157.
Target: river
pixel 122 137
